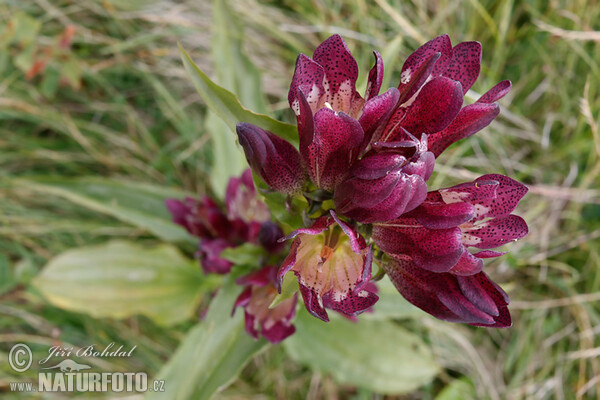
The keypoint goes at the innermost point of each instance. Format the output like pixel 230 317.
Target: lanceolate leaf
pixel 140 205
pixel 228 107
pixel 376 355
pixel 212 354
pixel 122 279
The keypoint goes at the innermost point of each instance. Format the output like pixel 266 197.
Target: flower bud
pixel 271 157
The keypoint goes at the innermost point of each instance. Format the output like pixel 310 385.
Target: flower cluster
pixel 368 159
pixel 246 219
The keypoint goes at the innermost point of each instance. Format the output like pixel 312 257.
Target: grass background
pixel 118 104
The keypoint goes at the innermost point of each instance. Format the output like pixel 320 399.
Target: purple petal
pixel 443 216
pixel 412 80
pixel 335 146
pixel 250 325
pixel 375 77
pixel 472 299
pixel 209 252
pixel 435 107
pixel 308 77
pixel 353 304
pixel 469 121
pixel 313 303
pixel 272 157
pixel 436 250
pixel 376 112
pixel 468 264
pixel 278 332
pixel 489 254
pixel 339 65
pixel 413 69
pixel 496 93
pixel 465 64
pixel 495 232
pixel 508 195
pixel 243 299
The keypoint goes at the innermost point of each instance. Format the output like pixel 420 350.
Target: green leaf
pixel 241 77
pixel 120 279
pixel 212 354
pixel 289 287
pixel 459 389
pixel 223 103
pixel 141 205
pixel 376 355
pixel 245 254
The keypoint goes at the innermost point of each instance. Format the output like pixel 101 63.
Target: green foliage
pixel 212 353
pixel 121 279
pixel 141 205
pixel 377 355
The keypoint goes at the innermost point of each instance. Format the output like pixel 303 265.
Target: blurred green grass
pixel 128 111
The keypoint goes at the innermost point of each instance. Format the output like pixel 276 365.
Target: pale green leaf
pixel 122 279
pixel 212 354
pixel 376 355
pixel 141 205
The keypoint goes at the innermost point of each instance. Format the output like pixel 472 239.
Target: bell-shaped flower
pixel 386 182
pixel 333 266
pixel 473 299
pixel 437 234
pixel 274 324
pixel 271 157
pixel 432 85
pixel 335 123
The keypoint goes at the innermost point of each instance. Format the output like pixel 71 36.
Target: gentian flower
pixel 333 266
pixel 274 324
pixel 473 299
pixel 334 121
pixel 386 182
pixel 273 158
pixel 432 85
pixel 243 222
pixel 434 239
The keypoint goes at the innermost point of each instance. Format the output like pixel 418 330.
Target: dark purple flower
pixel 430 263
pixel 203 218
pixel 333 266
pixel 436 235
pixel 243 223
pixel 433 82
pixel 473 299
pixel 334 122
pixel 385 183
pixel 272 157
pixel 274 324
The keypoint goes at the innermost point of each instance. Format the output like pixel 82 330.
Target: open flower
pixel 437 234
pixel 432 85
pixel 333 266
pixel 429 259
pixel 386 182
pixel 334 121
pixel 274 324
